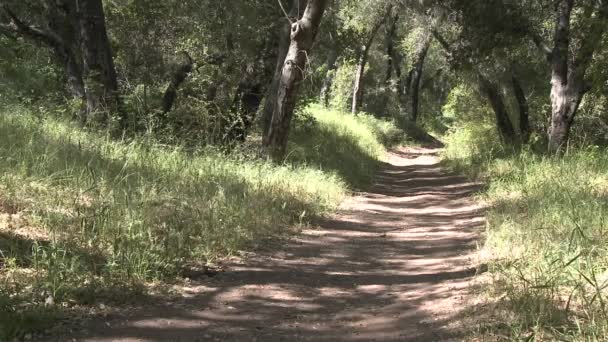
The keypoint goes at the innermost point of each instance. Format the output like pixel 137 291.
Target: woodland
pixel 144 142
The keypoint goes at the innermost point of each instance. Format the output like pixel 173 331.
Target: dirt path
pixel 394 265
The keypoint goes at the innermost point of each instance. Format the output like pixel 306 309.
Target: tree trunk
pixel 503 122
pixel 297 7
pixel 249 94
pixel 176 81
pixel 303 33
pixel 358 87
pixel 417 70
pixel 522 104
pixel 568 82
pixel 391 54
pixel 100 75
pixel 329 77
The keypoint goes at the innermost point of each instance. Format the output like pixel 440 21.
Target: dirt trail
pixel 395 264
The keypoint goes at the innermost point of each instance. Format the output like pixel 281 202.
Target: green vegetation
pixel 546 238
pixel 82 213
pixel 350 145
pixel 154 137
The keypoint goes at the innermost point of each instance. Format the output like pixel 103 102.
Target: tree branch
pixel 19 26
pixel 540 43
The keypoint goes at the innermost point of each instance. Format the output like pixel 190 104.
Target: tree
pixel 416 72
pixel 569 65
pixel 98 65
pixel 303 32
pixel 363 52
pixel 284 38
pixel 58 32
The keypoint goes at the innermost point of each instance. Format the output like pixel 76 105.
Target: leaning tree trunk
pixel 297 7
pixel 303 33
pixel 99 72
pixel 329 77
pixel 358 86
pixel 417 70
pixel 524 110
pixel 503 122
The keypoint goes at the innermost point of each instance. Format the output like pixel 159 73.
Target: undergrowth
pixel 84 217
pixel 547 240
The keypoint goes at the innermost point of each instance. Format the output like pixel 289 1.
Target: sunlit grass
pixel 547 237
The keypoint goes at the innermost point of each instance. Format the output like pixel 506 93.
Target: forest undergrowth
pixel 546 243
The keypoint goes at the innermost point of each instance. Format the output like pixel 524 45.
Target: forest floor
pixel 396 263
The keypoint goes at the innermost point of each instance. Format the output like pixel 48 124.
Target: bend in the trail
pixel 395 264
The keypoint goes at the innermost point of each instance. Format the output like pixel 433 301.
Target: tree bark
pixel 177 79
pixel 302 36
pixel 417 70
pixel 568 82
pixel 524 111
pixel 297 7
pixel 332 57
pixel 392 56
pixel 503 121
pixel 99 71
pixel 358 87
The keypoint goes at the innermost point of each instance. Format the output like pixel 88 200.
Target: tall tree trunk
pixel 358 86
pixel 100 75
pixel 417 70
pixel 302 36
pixel 332 57
pixel 524 111
pixel 503 121
pixel 392 60
pixel 297 7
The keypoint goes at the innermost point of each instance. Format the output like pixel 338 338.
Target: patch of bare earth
pixel 395 264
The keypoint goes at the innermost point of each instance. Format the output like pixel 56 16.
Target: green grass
pixel 84 217
pixel 547 237
pixel 349 145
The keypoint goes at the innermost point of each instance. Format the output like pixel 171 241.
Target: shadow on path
pixel 394 264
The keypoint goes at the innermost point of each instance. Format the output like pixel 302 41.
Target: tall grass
pixel 347 144
pixel 547 238
pixel 81 213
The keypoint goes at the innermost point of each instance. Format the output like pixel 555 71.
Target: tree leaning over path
pixel 303 32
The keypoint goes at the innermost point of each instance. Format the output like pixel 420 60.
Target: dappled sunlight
pixel 394 264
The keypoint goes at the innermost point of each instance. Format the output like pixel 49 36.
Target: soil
pixel 396 263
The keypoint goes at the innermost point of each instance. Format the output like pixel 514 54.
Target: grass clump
pixel 546 238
